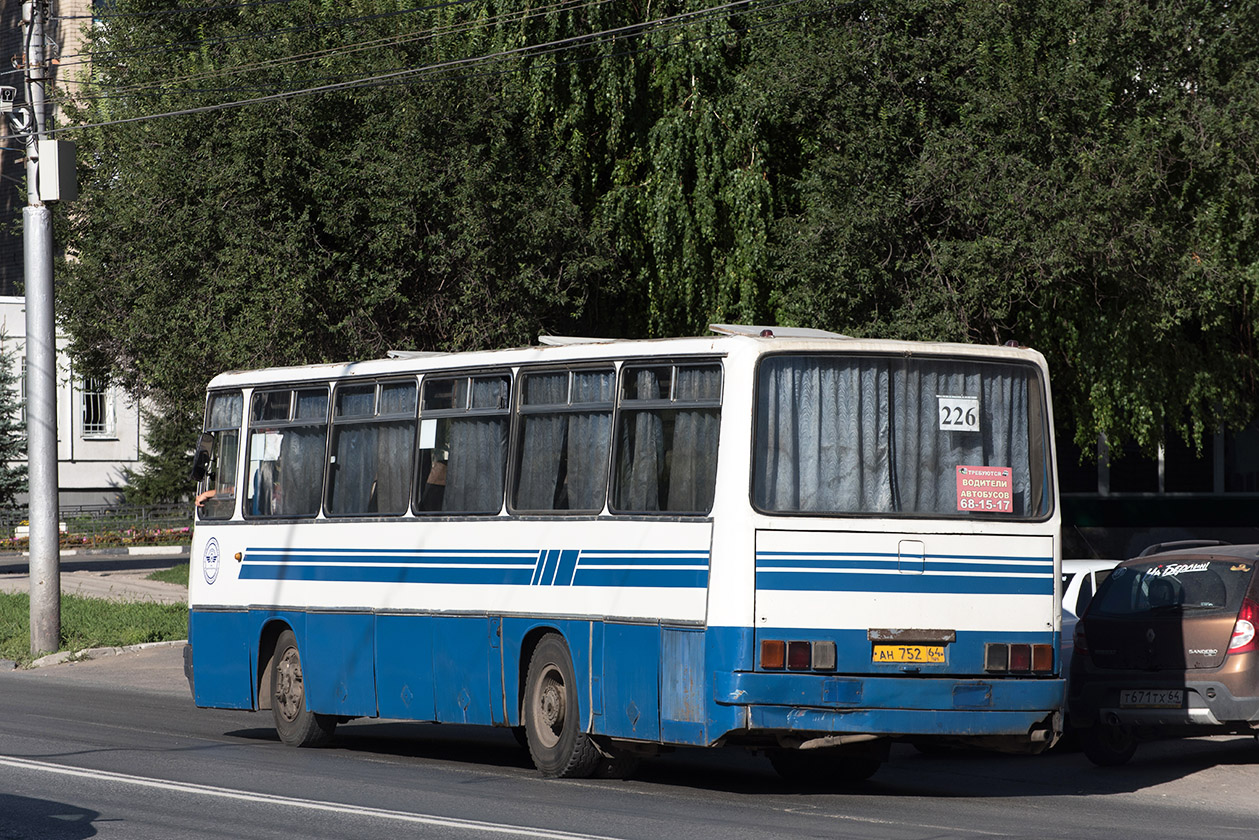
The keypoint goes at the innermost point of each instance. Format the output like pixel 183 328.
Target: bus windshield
pixel 911 436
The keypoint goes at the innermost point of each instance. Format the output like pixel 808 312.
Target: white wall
pixel 89 465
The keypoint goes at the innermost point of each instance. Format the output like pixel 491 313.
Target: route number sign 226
pixel 958 414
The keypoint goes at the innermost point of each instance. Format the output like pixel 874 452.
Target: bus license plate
pixel 908 653
pixel 1151 698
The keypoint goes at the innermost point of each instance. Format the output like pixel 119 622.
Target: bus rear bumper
pixel 894 706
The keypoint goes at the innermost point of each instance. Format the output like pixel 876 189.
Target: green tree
pixel 163 474
pixel 12 430
pixel 1075 176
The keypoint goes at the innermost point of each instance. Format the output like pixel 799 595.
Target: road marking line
pixel 310 804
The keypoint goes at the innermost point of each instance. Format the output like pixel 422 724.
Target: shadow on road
pixel 963 775
pixel 21 816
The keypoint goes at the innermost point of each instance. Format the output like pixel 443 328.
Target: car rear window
pixel 1174 585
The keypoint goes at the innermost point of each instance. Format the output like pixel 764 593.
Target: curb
pixel 117 551
pixel 94 653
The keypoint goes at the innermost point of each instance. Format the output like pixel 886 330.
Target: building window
pixel 98 409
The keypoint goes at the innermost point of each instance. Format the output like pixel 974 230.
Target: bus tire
pixel 296 725
pixel 560 750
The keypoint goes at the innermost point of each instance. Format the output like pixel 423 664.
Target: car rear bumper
pixel 1209 704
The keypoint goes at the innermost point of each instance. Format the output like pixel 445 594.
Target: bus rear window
pixel 840 434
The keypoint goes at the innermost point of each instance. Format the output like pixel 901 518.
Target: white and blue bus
pixel 780 539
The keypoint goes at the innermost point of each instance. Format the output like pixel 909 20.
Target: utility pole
pixel 41 351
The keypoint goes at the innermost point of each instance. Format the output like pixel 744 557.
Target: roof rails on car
pixel 1178 545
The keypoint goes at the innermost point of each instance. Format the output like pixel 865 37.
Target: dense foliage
pixel 1079 177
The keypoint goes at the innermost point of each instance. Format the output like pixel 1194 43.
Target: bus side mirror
pixel 201 460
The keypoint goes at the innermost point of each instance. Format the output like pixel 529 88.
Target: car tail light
pixel 1243 640
pixel 773 655
pixel 1081 642
pixel 799 656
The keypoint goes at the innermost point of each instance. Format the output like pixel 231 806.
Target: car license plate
pixel 908 653
pixel 1151 698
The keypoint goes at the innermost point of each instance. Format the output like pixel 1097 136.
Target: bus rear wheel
pixel 296 725
pixel 552 724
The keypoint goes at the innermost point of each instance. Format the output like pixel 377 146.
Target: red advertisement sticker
pixel 985 489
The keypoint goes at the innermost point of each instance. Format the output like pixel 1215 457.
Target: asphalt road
pixel 115 748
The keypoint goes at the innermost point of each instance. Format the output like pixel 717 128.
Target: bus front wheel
pixel 552 724
pixel 296 725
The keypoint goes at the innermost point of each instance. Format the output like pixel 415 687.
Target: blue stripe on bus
pixel 931 564
pixel 446 556
pixel 828 571
pixel 384 574
pixel 545 567
pixel 661 578
pixel 918 582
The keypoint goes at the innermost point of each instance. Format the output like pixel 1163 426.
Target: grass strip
pixel 177 574
pixel 89 623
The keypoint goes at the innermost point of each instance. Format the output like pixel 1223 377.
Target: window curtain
pixel 474 473
pixel 862 435
pixel 693 455
pixel 352 474
pixel 542 444
pixel 926 458
pixel 642 455
pixel 824 436
pixel 300 480
pixel 394 443
pixel 589 441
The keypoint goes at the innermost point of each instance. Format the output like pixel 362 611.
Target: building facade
pixel 100 431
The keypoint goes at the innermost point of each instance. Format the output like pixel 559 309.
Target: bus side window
pixel 666 449
pixel 216 492
pixel 287 440
pixel 463 444
pixel 373 429
pixel 565 440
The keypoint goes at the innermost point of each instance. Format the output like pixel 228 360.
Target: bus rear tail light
pixel 1019 658
pixel 1243 640
pixel 799 656
pixel 777 655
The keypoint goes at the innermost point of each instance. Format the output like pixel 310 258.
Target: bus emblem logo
pixel 210 561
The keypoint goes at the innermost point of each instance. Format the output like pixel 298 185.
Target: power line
pixel 249 36
pixel 104 15
pixel 341 51
pixel 545 48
